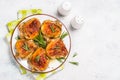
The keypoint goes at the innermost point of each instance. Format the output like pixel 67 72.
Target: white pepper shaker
pixel 65 8
pixel 77 22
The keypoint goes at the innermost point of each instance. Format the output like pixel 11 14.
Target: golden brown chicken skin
pixel 51 29
pixel 38 60
pixel 24 48
pixel 30 29
pixel 56 49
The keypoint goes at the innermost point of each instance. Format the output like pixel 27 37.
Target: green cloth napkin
pixel 11 25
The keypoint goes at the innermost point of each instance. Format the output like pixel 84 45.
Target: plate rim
pixel 31 69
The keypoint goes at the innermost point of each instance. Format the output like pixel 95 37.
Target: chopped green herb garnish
pixel 74 63
pixel 52 29
pixel 57 47
pixel 63 35
pixel 17 38
pixel 60 59
pixel 25 46
pixel 37 58
pixel 75 54
pixel 40 40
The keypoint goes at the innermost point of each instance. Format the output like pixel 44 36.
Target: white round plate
pixel 53 65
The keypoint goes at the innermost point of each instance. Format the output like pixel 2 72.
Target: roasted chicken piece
pixel 39 61
pixel 21 33
pixel 56 49
pixel 25 48
pixel 30 29
pixel 51 29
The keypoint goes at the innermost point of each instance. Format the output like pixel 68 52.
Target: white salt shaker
pixel 65 8
pixel 77 22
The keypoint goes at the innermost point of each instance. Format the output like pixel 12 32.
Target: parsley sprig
pixel 63 35
pixel 60 59
pixel 40 40
pixel 25 46
pixel 74 55
pixel 37 58
pixel 74 63
pixel 52 29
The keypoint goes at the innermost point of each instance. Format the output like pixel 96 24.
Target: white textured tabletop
pixel 97 42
